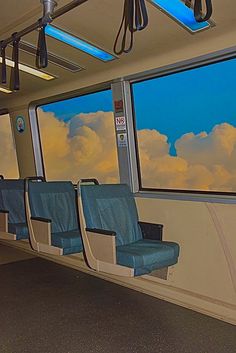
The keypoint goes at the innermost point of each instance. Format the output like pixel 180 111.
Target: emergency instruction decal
pixel 20 124
pixel 120 123
pixel 122 140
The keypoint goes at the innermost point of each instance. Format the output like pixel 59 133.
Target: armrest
pixel 4 211
pixel 151 231
pixel 100 231
pixel 42 230
pixel 40 219
pixel 103 244
pixel 4 221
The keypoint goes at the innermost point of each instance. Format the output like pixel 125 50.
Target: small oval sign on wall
pixel 20 124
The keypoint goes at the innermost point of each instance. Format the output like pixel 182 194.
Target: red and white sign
pixel 120 123
pixel 119 106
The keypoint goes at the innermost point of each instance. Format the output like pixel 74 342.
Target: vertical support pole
pixel 36 141
pixel 124 126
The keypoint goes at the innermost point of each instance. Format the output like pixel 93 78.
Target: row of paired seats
pixel 100 220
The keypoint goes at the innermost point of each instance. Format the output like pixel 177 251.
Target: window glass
pixel 186 129
pixel 78 138
pixel 8 160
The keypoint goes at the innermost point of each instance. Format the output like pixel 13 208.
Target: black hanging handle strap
pixel 42 54
pixel 3 66
pixel 135 18
pixel 198 9
pixel 141 15
pixel 15 75
pixel 126 25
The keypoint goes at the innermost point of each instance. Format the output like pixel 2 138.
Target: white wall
pixel 206 234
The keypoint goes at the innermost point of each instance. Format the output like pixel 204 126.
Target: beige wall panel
pixel 203 267
pixel 24 146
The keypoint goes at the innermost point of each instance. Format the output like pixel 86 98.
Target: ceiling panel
pixel 98 21
pixel 14 11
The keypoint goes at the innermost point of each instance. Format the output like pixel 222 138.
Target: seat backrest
pixel 111 207
pixel 12 199
pixel 55 201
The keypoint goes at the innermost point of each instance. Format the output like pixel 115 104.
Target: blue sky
pixel 65 110
pixel 190 101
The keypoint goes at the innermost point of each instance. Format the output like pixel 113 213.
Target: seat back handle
pixel 34 178
pixel 92 180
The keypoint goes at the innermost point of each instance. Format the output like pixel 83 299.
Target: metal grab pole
pixel 36 25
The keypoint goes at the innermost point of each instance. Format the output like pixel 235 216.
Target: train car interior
pixel 117 176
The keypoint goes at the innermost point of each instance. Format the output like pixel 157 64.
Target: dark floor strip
pixel 48 308
pixel 9 254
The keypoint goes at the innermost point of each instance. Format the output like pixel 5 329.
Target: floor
pixel 48 308
pixel 9 254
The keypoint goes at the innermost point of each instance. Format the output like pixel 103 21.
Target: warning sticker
pixel 120 123
pixel 122 140
pixel 119 106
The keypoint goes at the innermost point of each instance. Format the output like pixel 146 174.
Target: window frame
pixel 34 120
pixel 184 66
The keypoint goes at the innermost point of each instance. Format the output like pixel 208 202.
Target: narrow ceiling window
pixel 30 70
pixel 5 90
pixel 178 11
pixel 78 43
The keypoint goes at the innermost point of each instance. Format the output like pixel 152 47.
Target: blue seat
pixel 70 242
pixel 12 200
pixel 113 208
pixel 56 201
pixel 19 229
pixel 147 255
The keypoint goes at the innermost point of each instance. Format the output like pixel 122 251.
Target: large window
pixel 8 160
pixel 186 129
pixel 78 138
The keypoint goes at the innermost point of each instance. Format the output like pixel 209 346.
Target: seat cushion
pixel 72 250
pixel 20 229
pixel 147 255
pixel 70 242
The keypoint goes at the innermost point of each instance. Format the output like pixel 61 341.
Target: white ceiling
pixel 97 21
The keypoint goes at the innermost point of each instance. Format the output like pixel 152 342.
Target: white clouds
pixel 148 138
pixel 204 161
pixel 8 163
pixel 82 148
pixel 85 147
pixel 208 149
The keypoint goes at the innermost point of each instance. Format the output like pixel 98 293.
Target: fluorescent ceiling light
pixel 184 15
pixel 78 43
pixel 5 90
pixel 29 70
